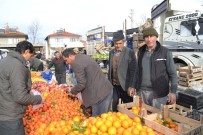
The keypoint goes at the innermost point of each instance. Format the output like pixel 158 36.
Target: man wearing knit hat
pixel 122 65
pixel 156 69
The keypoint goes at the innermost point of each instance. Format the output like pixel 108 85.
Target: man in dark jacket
pixel 95 88
pixel 156 69
pixel 15 86
pixel 60 68
pixel 122 67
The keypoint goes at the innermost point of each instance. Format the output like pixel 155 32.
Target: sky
pixel 76 16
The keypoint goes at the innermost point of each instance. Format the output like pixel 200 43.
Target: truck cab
pixel 183 35
pixel 180 29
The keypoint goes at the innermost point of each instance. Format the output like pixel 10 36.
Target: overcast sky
pixel 76 16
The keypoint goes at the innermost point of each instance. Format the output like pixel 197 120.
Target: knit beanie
pixel 118 36
pixel 150 32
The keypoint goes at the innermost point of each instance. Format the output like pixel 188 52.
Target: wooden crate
pixel 183 129
pixel 190 69
pixel 170 113
pixel 178 109
pixel 124 108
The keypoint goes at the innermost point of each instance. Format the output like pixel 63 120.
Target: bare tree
pixel 33 31
pixel 143 19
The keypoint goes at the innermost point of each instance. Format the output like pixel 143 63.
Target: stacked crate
pixel 189 76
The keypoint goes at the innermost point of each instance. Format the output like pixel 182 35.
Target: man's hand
pixel 131 91
pixel 171 98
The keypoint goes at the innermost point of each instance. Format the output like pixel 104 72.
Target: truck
pixel 180 31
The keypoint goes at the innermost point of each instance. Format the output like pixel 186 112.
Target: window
pixel 200 22
pixel 72 40
pixel 59 40
pixel 187 28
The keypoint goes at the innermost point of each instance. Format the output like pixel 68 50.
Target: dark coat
pixel 163 70
pixel 15 85
pixel 126 68
pixel 91 82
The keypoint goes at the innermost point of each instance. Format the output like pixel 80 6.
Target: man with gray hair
pixel 122 67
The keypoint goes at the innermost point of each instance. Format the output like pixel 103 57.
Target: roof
pixel 14 34
pixel 62 34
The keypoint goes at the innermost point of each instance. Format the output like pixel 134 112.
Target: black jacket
pixel 162 70
pixel 59 64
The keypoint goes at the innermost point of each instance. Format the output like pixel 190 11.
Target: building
pixel 60 40
pixel 9 37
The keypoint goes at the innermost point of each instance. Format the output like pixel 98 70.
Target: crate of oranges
pixel 136 108
pixel 170 123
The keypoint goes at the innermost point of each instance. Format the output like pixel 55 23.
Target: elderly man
pixel 122 67
pixel 155 70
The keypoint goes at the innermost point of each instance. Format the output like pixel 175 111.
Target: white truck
pixel 181 33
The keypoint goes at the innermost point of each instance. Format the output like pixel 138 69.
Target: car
pixel 3 53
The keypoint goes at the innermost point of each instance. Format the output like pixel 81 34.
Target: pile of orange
pixel 113 123
pixel 57 108
pixel 135 110
pixel 168 122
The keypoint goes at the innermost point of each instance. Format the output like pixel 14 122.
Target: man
pixel 155 70
pixel 60 68
pixel 15 88
pixel 122 67
pixel 95 88
pixel 36 64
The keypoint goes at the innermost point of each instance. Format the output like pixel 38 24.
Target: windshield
pixel 187 28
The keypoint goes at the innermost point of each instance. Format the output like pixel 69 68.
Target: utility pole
pixel 131 17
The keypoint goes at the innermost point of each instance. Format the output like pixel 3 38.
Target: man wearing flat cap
pixel 156 69
pixel 122 67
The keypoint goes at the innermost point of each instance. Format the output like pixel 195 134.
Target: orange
pixel 103 128
pixel 143 133
pixel 112 131
pixel 137 119
pixel 45 94
pixel 104 115
pixel 76 119
pixel 139 127
pixel 98 123
pixel 87 131
pixel 108 123
pixel 125 123
pixel 134 131
pixel 93 129
pixel 116 124
pixel 120 130
pixel 127 132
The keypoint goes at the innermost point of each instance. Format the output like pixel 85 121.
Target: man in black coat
pixel 156 69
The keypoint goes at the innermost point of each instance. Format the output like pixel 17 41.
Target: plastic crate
pixel 190 97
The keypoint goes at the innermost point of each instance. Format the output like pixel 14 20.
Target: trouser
pixel 14 127
pixel 102 106
pixel 148 98
pixel 61 78
pixel 118 92
pixel 41 67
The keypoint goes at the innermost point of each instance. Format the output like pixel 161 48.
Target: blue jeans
pixel 12 127
pixel 102 106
